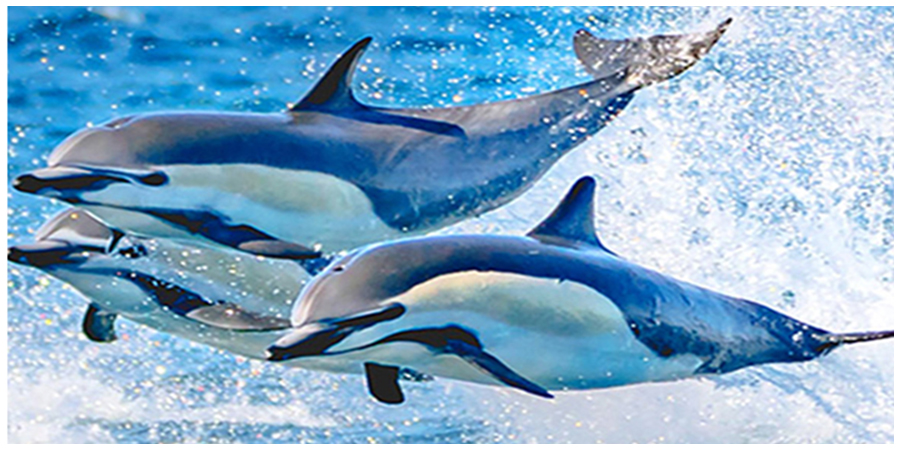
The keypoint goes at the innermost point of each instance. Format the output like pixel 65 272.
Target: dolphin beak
pixel 46 253
pixel 58 181
pixel 63 181
pixel 309 340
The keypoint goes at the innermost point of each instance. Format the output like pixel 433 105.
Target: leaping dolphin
pixel 225 299
pixel 554 310
pixel 332 173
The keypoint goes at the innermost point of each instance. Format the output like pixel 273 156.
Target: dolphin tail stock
pixel 830 341
pixel 645 60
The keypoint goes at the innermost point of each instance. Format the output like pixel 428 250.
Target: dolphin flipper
pixel 230 316
pixel 99 325
pixel 457 341
pixel 493 366
pixel 383 383
pixel 242 237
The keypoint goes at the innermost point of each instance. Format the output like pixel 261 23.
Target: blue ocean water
pixel 765 172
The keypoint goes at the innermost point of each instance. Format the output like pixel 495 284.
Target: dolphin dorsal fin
pixel 334 91
pixel 573 219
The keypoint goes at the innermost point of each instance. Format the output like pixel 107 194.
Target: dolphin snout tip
pixel 28 183
pixel 277 353
pixel 16 255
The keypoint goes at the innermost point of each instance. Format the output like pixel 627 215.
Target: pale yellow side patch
pixel 279 189
pixel 544 305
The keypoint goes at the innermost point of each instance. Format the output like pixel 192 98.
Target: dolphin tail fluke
pixel 644 61
pixel 834 340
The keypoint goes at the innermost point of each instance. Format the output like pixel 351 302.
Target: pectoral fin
pixel 383 383
pixel 99 325
pixel 493 366
pixel 230 316
pixel 457 341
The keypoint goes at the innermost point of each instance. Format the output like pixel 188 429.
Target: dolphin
pixel 225 299
pixel 553 310
pixel 332 173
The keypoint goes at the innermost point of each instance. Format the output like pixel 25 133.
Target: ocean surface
pixel 764 172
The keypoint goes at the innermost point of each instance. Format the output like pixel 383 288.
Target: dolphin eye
pixel 134 252
pixel 338 269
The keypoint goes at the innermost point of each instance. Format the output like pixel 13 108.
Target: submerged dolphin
pixel 224 299
pixel 555 310
pixel 229 300
pixel 331 173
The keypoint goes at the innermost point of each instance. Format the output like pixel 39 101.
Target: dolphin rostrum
pixel 553 310
pixel 331 173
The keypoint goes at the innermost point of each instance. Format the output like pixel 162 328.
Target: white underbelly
pixel 303 207
pixel 560 335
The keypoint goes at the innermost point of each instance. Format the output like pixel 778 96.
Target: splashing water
pixel 765 172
